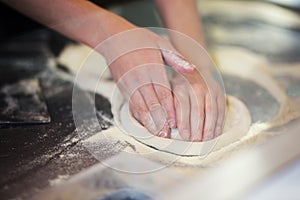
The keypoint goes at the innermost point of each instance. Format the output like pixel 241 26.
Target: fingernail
pixel 158 116
pixel 195 138
pixel 186 135
pixel 218 131
pixel 162 134
pixel 152 126
pixel 172 123
pixel 209 136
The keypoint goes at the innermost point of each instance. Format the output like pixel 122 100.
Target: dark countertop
pixel 36 156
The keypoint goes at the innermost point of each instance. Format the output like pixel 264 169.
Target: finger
pixel 210 117
pixel 165 132
pixel 174 58
pixel 140 112
pixel 221 101
pixel 166 99
pixel 164 94
pixel 156 110
pixel 182 109
pixel 197 115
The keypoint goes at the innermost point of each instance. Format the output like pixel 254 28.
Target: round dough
pixel 237 123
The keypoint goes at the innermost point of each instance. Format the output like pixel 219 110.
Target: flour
pixel 60 179
pixel 249 66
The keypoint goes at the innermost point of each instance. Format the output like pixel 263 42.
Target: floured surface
pixel 262 105
pixel 23 102
pixel 254 70
pixel 249 78
pixel 261 61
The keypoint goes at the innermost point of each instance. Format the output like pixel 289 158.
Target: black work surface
pixel 33 156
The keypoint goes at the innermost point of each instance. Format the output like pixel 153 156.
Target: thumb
pixel 176 60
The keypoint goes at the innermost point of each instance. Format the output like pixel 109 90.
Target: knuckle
pixel 208 107
pixel 198 88
pixel 139 113
pixel 164 94
pixel 179 85
pixel 135 114
pixel 214 113
pixel 148 123
pixel 210 96
pixel 200 121
pixel 146 120
pixel 198 107
pixel 198 128
pixel 136 77
pixel 181 95
pixel 144 86
pixel 211 110
pixel 153 106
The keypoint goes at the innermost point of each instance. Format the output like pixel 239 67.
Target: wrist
pixel 98 28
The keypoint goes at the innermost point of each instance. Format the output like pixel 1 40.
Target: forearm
pixel 182 16
pixel 77 19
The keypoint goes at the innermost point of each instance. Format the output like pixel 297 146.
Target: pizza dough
pixel 237 123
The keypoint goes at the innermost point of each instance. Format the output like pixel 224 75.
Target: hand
pixel 200 106
pixel 141 77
